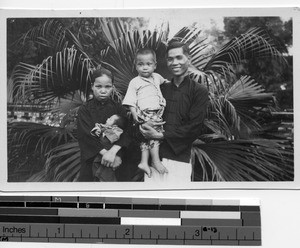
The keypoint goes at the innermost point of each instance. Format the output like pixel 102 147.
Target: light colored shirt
pixel 144 93
pixel 113 132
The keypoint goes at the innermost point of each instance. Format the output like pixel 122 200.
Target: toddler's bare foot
pixel 159 167
pixel 145 167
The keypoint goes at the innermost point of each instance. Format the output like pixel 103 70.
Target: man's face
pixel 145 64
pixel 177 61
pixel 102 88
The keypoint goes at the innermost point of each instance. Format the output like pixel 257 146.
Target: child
pixel 146 102
pixel 98 110
pixel 108 134
pixel 111 130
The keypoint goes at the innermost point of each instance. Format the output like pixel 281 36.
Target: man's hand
pixel 117 162
pixel 149 132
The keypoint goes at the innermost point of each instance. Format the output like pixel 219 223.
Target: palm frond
pixel 49 34
pixel 255 43
pixel 223 118
pixel 187 34
pixel 63 162
pixel 238 110
pixel 124 42
pixel 40 176
pixel 250 101
pixel 245 160
pixel 57 77
pixel 30 137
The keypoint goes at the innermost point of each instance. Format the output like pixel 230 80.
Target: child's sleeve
pixel 130 98
pixel 161 79
pixel 113 134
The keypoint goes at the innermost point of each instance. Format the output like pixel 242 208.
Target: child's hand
pixel 98 132
pixel 136 119
pixel 108 158
pixel 155 123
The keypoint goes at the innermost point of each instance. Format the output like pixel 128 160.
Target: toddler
pixel 146 103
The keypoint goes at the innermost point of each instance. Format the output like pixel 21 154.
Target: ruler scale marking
pixel 129 220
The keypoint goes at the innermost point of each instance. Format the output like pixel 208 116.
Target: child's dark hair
pixel 144 51
pixel 100 72
pixel 121 122
pixel 178 44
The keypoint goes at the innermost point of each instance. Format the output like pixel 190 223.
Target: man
pixel 184 114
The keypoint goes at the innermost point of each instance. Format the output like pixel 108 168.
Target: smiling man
pixel 184 114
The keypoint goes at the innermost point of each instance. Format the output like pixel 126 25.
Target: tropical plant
pixel 233 146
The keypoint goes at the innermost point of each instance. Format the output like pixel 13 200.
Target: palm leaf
pixel 57 77
pixel 33 136
pixel 245 93
pixel 255 43
pixel 124 42
pixel 40 176
pixel 187 35
pixel 245 160
pixel 238 110
pixel 49 34
pixel 63 162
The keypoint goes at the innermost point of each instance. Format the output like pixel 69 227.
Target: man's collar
pixel 185 79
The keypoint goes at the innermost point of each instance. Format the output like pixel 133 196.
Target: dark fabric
pixel 88 114
pixel 184 115
pixel 102 173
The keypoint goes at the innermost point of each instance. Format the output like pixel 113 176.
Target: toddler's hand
pixel 154 123
pixel 136 119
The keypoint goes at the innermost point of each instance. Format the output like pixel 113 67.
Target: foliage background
pixel 43 153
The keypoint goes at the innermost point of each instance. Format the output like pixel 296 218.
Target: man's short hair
pixel 178 44
pixel 100 72
pixel 144 51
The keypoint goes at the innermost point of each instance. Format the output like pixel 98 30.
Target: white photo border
pixel 167 14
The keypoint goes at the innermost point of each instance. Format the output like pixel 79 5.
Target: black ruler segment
pixel 38 204
pixel 28 211
pixel 63 204
pixel 91 205
pixel 117 206
pixel 12 204
pixel 172 207
pixel 145 206
pixel 117 220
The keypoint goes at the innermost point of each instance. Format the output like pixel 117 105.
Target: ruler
pixel 117 220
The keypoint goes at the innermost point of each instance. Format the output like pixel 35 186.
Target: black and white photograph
pixel 150 97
